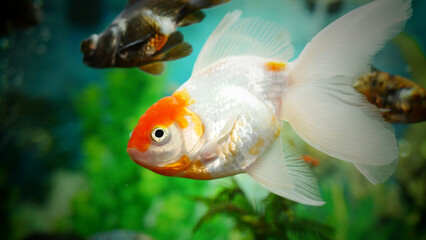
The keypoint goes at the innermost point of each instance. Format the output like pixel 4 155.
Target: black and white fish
pixel 145 35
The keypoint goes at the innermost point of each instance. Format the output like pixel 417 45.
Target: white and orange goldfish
pixel 226 119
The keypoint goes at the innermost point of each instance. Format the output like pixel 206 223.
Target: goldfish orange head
pixel 166 135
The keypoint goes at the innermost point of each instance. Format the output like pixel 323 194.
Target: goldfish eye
pixel 159 134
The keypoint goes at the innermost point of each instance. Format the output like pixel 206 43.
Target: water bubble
pixel 39 136
pixel 29 31
pixel 423 149
pixel 45 34
pixel 41 49
pixel 4 43
pixel 408 69
pixel 17 81
pixel 4 63
pixel 405 148
pixel 38 4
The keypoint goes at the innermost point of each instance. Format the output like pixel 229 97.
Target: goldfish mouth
pixel 140 158
pixel 172 169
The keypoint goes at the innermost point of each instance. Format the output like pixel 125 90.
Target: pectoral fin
pixel 135 44
pixel 172 40
pixel 210 148
pixel 155 68
pixel 179 51
pixel 174 48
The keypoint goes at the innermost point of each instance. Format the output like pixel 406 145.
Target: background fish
pixel 227 118
pixel 399 99
pixel 144 35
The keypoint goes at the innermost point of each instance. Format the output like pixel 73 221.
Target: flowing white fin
pixel 235 36
pixel 321 104
pixel 346 46
pixel 377 174
pixel 282 171
pixel 254 193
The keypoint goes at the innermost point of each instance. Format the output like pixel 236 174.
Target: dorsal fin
pixel 200 4
pixel 191 18
pixel 235 36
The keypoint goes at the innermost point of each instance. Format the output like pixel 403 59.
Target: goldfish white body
pixel 226 119
pixel 239 112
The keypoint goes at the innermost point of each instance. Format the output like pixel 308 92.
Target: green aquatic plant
pixel 276 220
pixel 110 198
pixel 119 194
pixel 413 55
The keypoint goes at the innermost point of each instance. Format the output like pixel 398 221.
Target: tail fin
pixel 321 104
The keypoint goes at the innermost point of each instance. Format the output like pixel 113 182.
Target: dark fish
pixel 399 99
pixel 144 35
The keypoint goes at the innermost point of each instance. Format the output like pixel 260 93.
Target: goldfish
pixel 227 118
pixel 399 99
pixel 145 35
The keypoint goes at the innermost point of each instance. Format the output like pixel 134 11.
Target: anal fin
pixel 283 172
pixel 155 68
